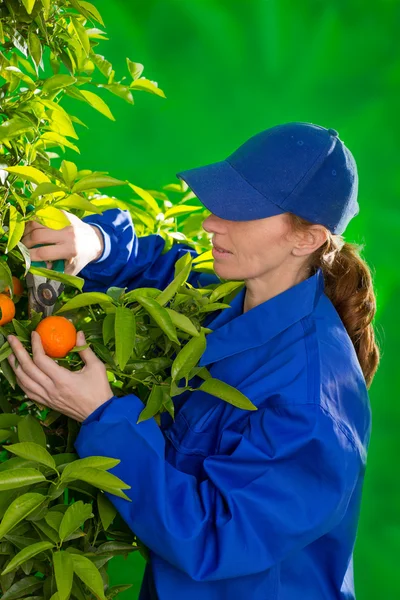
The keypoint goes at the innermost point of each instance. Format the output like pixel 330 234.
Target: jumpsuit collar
pixel 235 331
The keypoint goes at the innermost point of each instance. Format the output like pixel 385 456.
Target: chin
pixel 226 272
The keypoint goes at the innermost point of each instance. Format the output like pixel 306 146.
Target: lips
pixel 220 249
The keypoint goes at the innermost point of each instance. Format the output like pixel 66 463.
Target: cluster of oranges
pixel 58 335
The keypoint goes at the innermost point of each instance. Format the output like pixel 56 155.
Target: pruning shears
pixel 43 292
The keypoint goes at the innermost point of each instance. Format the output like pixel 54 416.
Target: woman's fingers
pixel 27 365
pixel 32 389
pixel 44 363
pixel 49 253
pixel 41 235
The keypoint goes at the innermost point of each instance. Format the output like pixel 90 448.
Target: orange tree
pixel 58 530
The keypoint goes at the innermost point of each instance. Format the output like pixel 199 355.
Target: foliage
pixel 58 530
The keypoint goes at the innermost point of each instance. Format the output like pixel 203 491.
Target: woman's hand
pixel 78 244
pixel 74 393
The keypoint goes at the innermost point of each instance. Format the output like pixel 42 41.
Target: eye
pixel 333 171
pixel 300 142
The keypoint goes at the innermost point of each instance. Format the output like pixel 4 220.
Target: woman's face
pixel 254 248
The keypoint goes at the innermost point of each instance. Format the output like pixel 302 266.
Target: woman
pixel 240 504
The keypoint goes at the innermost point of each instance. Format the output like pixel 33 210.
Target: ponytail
pixel 349 286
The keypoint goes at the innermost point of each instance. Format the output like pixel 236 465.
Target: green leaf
pixel 52 217
pixel 18 510
pixel 5 351
pixel 72 280
pixel 176 283
pixel 34 452
pixel 153 404
pixel 78 202
pixel 144 217
pixel 30 430
pixel 145 85
pixel 29 174
pixel 64 573
pixel 114 547
pixel 57 82
pixel 45 188
pixel 14 128
pixel 133 295
pixel 95 181
pixel 89 574
pixel 51 138
pixel 27 554
pixel 48 531
pixel 97 462
pixel 185 260
pixel 213 306
pixel 23 587
pixel 74 517
pixel 204 257
pixel 104 66
pixel 100 479
pixel 91 10
pixel 113 591
pixel 160 316
pixel 135 69
pixel 168 404
pixel 25 255
pixel 147 197
pixel 11 480
pixel 85 299
pixel 5 275
pixel 223 290
pixel 69 172
pixel 29 4
pixel 122 91
pixel 226 392
pixel 82 35
pixel 53 519
pixel 108 328
pixel 21 331
pixel 188 357
pixel 181 209
pixel 35 48
pixel 182 322
pixel 5 434
pixel 107 510
pixel 97 103
pixel 9 420
pixel 15 463
pixel 16 230
pixel 125 333
pixel 8 373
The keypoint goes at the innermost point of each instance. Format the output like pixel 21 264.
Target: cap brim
pixel 224 192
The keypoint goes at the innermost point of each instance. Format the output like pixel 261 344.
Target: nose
pixel 214 224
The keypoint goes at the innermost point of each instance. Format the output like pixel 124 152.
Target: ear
pixel 309 240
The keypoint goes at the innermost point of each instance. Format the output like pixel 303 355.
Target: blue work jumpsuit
pixel 236 504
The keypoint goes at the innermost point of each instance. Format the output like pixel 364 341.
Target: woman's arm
pixel 131 261
pixel 281 484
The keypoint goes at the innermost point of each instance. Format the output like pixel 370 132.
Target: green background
pixel 229 69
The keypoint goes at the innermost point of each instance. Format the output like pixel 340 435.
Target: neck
pixel 261 289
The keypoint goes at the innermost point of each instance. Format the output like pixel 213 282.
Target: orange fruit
pixel 58 336
pixel 17 285
pixel 7 307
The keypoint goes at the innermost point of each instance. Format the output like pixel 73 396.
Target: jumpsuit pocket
pixel 196 427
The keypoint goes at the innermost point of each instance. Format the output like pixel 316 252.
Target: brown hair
pixel 349 286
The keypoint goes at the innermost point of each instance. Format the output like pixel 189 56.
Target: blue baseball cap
pixel 296 167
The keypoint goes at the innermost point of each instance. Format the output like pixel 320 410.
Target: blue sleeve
pixel 282 483
pixel 131 261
